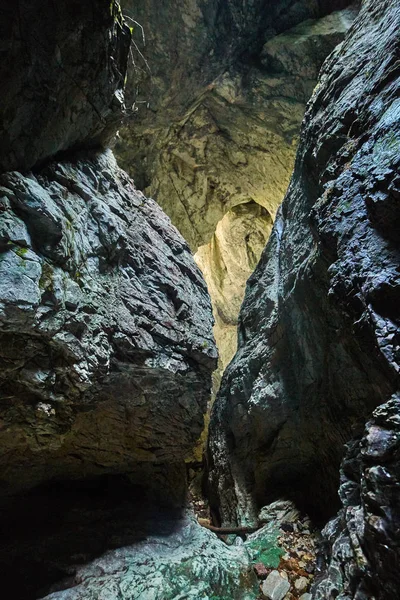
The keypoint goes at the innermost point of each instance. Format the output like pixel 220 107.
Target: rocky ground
pixel 282 551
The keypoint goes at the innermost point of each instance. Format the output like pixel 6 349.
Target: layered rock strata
pixel 319 327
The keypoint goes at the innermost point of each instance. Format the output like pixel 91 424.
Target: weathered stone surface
pixel 319 327
pixel 105 327
pixel 227 262
pixel 275 586
pixel 362 547
pixel 217 123
pixel 190 562
pixel 218 116
pixel 62 69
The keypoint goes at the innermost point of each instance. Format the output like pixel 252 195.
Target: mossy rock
pixel 263 546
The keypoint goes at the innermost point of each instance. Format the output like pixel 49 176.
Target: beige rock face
pixel 227 262
pixel 230 135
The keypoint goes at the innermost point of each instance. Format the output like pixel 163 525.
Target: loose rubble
pixel 282 550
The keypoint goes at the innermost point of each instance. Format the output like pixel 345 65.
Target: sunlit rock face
pixel 227 262
pixel 217 121
pixel 319 328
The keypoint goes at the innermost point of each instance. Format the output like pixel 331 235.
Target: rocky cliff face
pixel 318 332
pixel 106 344
pixel 105 321
pixel 361 546
pixel 218 111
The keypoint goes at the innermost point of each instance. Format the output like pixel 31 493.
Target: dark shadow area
pixel 51 530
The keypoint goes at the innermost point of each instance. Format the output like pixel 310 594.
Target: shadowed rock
pixel 105 327
pixel 318 330
pixel 62 68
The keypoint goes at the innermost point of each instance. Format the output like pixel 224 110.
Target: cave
pixel 199 300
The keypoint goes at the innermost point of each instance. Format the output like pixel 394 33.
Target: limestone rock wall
pixel 319 327
pixel 220 103
pixel 227 262
pixel 106 342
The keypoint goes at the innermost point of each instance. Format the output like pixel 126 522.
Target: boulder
pixel 105 327
pixel 190 562
pixel 275 587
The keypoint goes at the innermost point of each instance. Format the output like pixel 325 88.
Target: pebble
pixel 261 571
pixel 301 584
pixel 305 597
pixel 275 587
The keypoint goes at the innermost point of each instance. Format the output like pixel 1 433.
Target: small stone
pixel 260 570
pixel 301 584
pixel 305 597
pixel 275 587
pixel 283 574
pixel 310 567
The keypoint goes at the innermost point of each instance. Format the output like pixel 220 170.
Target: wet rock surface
pixel 188 562
pixel 318 330
pixel 105 327
pixel 361 548
pixel 62 68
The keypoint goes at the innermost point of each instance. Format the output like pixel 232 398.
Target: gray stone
pixel 301 584
pixel 105 320
pixel 275 587
pixel 190 562
pixel 305 597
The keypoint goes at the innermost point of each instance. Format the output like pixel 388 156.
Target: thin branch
pixel 139 25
